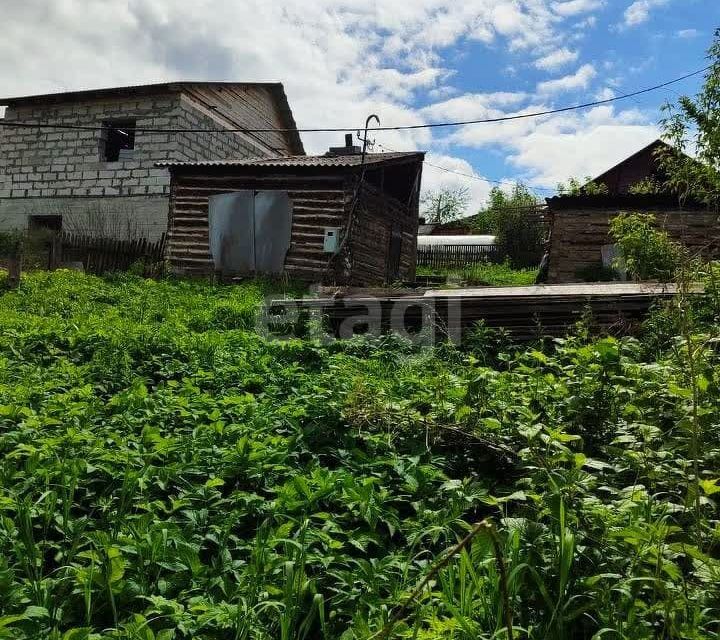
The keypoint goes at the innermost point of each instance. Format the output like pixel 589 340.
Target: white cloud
pixel 574 7
pixel 550 149
pixel 556 59
pixel 339 60
pixel 585 151
pixel 472 106
pixel 687 33
pixel 578 80
pixel 434 178
pixel 639 11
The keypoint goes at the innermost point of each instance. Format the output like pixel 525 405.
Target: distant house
pixel 459 227
pixel 333 218
pixel 641 165
pixel 104 179
pixel 580 247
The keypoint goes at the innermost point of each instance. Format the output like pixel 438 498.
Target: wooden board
pixel 525 312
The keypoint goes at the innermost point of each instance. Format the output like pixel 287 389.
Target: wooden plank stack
pixel 526 314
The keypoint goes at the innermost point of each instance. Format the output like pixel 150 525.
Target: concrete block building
pixel 102 179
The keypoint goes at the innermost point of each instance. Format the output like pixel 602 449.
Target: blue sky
pixel 671 41
pixel 409 61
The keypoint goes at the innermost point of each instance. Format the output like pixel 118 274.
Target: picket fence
pixel 103 255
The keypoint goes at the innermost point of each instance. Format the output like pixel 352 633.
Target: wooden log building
pixel 580 228
pixel 353 219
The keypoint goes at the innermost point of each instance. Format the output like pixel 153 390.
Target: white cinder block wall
pixel 55 172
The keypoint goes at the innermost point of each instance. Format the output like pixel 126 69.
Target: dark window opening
pixel 117 140
pixel 49 222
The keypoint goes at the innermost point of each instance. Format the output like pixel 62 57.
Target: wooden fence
pixel 457 255
pixel 102 255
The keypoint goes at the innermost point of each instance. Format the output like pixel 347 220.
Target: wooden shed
pixel 351 219
pixel 580 228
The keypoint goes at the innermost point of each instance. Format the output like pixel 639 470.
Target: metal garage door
pixel 250 231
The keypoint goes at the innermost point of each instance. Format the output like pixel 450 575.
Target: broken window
pixel 117 140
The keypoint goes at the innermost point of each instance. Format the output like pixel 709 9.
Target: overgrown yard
pixel 168 473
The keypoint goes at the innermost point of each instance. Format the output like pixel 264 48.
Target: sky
pixel 408 61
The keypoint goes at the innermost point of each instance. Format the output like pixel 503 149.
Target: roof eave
pixel 626 201
pixel 247 165
pixel 155 87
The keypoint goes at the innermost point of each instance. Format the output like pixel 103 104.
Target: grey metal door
pixel 273 223
pixel 249 231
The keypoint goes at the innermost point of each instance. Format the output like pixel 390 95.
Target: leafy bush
pixel 10 243
pixel 576 187
pixel 645 186
pixel 166 476
pixel 648 252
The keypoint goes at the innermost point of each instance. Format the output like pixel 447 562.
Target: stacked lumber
pixel 526 313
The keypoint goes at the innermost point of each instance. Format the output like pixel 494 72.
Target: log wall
pixel 379 216
pixel 322 197
pixel 578 235
pixel 317 203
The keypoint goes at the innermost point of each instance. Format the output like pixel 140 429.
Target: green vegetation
pixel 509 216
pixel 646 186
pixel 692 127
pixel 166 473
pixel 485 274
pixel 445 204
pixel 648 252
pixel 576 187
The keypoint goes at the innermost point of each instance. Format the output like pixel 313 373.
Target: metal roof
pixel 443 241
pixel 347 161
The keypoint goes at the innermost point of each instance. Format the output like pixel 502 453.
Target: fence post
pixel 15 266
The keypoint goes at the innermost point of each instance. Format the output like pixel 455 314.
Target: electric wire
pixel 408 127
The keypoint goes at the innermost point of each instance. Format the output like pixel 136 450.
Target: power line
pixel 546 189
pixel 470 175
pixel 482 179
pixel 409 127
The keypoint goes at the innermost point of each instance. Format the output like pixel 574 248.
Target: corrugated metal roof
pixel 354 160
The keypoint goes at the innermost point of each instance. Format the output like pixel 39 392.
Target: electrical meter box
pixel 331 242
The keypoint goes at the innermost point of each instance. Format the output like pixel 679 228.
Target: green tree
pixel 512 218
pixel 445 204
pixel 693 124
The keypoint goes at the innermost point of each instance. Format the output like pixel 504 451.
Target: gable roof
pixel 650 148
pixel 276 89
